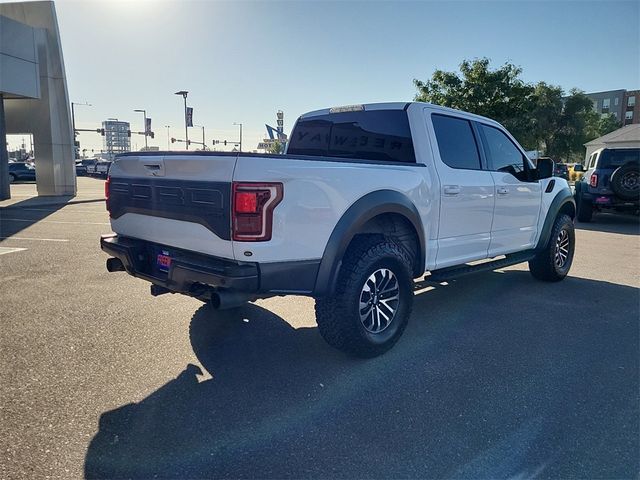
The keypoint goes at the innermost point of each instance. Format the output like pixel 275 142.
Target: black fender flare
pixel 370 206
pixel 563 198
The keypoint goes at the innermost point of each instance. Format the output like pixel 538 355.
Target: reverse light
pixel 252 210
pixel 593 181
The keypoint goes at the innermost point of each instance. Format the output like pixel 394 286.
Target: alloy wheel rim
pixel 630 181
pixel 379 300
pixel 562 249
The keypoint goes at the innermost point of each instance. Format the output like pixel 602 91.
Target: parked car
pixel 366 198
pixel 561 170
pixel 102 168
pixel 611 182
pixel 90 165
pixel 21 171
pixel 81 169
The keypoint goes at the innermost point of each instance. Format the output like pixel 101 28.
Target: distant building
pixel 631 107
pixel 623 104
pixel 116 137
pixel 625 137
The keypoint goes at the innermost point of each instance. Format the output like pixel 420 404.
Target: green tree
pixel 276 147
pixel 499 94
pixel 539 115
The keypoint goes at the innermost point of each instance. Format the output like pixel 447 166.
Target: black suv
pixel 611 181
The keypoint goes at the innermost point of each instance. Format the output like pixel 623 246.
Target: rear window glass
pixel 369 135
pixel 617 158
pixel 456 142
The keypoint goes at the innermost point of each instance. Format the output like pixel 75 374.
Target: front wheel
pixel 372 302
pixel 552 263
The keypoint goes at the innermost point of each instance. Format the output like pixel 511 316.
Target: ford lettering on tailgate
pixel 189 201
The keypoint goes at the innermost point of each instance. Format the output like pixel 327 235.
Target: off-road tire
pixel 625 181
pixel 544 266
pixel 584 208
pixel 339 316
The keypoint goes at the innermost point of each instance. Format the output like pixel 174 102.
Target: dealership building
pixel 33 95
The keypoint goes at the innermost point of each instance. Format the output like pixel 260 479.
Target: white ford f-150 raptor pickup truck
pixel 366 199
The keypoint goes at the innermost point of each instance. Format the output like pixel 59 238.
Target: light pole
pixel 203 142
pixel 73 122
pixel 168 137
pixel 186 130
pixel 239 124
pixel 144 112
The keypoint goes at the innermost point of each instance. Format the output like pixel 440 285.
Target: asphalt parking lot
pixel 496 376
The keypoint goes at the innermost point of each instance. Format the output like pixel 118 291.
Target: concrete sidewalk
pixel 25 194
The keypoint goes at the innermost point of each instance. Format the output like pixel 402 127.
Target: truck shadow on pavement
pixel 496 376
pixel 612 223
pixel 19 216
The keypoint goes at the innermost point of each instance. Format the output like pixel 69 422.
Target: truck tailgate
pixel 175 200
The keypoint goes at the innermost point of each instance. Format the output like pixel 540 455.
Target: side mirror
pixel 544 168
pixel 578 167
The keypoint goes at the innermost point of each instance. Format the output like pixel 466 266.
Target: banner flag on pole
pixel 189 116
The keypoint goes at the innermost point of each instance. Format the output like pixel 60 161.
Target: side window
pixel 592 160
pixel 456 142
pixel 502 154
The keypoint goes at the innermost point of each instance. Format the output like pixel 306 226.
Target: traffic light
pixel 151 134
pixel 173 140
pixel 102 132
pixel 128 133
pixel 225 143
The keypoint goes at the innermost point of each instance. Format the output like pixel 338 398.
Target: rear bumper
pixel 190 270
pixel 608 201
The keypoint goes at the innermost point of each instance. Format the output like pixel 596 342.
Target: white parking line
pixel 4 250
pixel 51 221
pixel 37 239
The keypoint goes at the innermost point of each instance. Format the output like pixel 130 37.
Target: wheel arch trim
pixel 356 216
pixel 564 199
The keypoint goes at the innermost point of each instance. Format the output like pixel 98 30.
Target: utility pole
pixel 144 128
pixel 240 134
pixel 203 142
pixel 168 137
pixel 73 123
pixel 184 94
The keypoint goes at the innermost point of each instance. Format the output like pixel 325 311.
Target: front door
pixel 466 191
pixel 517 200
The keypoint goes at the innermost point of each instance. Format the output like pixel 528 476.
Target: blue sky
pixel 241 61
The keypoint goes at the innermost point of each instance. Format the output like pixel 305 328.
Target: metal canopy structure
pixel 34 94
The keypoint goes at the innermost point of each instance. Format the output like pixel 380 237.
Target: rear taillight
pixel 593 181
pixel 107 184
pixel 252 207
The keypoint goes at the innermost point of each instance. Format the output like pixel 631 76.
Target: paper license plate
pixel 163 261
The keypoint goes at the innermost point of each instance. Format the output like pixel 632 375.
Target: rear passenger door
pixel 466 190
pixel 517 199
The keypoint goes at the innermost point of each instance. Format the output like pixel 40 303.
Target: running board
pixel 449 273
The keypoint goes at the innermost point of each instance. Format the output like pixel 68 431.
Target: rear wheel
pixel 12 178
pixel 584 208
pixel 372 302
pixel 553 262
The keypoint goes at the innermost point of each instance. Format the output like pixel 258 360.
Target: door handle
pixel 451 189
pixel 503 190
